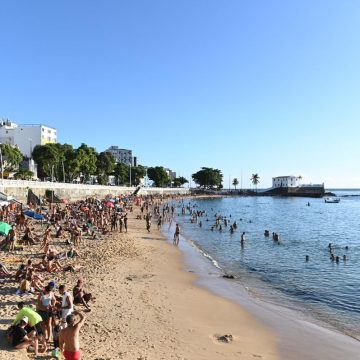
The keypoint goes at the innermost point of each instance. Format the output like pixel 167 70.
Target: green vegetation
pixel 11 157
pixel 255 179
pixel 159 176
pixel 208 178
pixel 235 183
pixel 179 181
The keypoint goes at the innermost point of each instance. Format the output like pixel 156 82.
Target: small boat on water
pixel 332 200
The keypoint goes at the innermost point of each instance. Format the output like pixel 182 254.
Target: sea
pixel 297 271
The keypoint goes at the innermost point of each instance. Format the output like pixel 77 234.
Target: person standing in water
pixel 177 235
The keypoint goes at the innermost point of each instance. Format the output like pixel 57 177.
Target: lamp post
pixel 130 173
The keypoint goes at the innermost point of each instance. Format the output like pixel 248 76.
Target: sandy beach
pixel 147 306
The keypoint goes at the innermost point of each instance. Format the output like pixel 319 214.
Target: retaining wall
pixel 19 190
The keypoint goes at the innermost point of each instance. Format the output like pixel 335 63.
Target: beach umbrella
pixel 34 215
pixel 4 228
pixel 109 204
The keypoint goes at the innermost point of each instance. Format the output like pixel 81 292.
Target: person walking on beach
pixel 177 235
pixel 69 337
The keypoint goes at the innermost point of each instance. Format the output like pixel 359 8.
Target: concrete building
pixel 26 137
pixel 122 156
pixel 172 174
pixel 285 181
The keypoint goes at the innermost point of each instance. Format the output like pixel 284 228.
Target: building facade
pixel 26 137
pixel 122 156
pixel 285 181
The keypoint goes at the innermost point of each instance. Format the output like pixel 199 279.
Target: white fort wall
pixel 18 189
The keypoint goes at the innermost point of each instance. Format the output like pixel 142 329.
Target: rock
pixel 225 338
pixel 228 276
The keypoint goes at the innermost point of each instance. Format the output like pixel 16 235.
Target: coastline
pixel 153 302
pixel 148 307
pixel 298 337
pixel 161 314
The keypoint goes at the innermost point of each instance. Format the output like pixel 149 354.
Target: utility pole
pixel 130 173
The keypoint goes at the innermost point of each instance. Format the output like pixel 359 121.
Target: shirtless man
pixel 69 337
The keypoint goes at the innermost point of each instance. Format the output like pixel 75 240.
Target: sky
pixel 244 86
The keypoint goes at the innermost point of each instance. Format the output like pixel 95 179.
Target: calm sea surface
pixel 278 272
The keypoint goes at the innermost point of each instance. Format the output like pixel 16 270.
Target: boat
pixel 332 200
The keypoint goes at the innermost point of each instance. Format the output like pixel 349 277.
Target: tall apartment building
pixel 26 137
pixel 122 156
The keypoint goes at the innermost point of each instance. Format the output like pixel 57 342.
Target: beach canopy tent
pixel 4 228
pixel 34 215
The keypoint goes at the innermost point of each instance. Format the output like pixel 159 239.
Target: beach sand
pixel 147 306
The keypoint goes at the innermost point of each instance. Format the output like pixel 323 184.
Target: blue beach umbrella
pixel 4 228
pixel 34 215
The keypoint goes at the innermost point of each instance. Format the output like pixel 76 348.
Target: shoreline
pixel 147 306
pixel 153 303
pixel 165 316
pixel 299 337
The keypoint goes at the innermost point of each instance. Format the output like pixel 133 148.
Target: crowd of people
pixel 46 249
pixel 49 247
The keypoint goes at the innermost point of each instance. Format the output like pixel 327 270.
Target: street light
pixel 130 173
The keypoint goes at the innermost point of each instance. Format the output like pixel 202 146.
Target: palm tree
pixel 255 179
pixel 235 182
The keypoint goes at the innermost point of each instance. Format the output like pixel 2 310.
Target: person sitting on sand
pixel 20 339
pixel 33 327
pixel 29 238
pixel 69 337
pixel 80 295
pixel 21 272
pixel 4 272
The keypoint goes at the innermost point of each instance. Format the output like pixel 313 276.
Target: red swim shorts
pixel 72 355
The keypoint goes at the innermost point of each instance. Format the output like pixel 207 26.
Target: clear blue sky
pixel 267 87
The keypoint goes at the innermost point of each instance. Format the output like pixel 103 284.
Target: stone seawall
pixel 18 189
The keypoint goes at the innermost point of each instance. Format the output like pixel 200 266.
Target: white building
pixel 285 181
pixel 122 156
pixel 26 137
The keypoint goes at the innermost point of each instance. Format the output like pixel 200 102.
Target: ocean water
pixel 323 290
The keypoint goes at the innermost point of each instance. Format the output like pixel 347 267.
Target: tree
pixel 105 165
pixel 12 157
pixel 46 156
pixel 159 176
pixel 121 173
pixel 71 163
pixel 137 174
pixel 87 158
pixel 208 178
pixel 235 183
pixel 24 174
pixel 179 181
pixel 255 179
